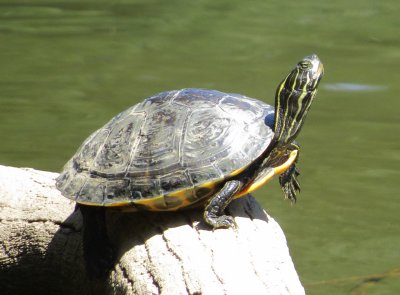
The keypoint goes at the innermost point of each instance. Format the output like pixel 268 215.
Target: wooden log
pixel 169 253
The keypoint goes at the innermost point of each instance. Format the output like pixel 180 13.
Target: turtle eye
pixel 305 65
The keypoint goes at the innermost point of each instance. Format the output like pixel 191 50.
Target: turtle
pixel 194 148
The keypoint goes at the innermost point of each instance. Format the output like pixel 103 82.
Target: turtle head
pixel 294 97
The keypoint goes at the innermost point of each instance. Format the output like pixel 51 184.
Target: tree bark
pixel 168 253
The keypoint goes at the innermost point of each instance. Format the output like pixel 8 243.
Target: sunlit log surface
pixel 170 253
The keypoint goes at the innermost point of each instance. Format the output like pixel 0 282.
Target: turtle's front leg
pixel 214 211
pixel 288 179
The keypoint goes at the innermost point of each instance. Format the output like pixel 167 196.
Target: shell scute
pixel 197 98
pixel 242 108
pixel 87 153
pixel 204 173
pixel 144 187
pixel 158 143
pixel 115 153
pixel 175 181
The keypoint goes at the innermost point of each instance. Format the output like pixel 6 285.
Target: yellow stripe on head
pixel 294 97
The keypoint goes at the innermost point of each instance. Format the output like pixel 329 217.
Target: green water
pixel 66 67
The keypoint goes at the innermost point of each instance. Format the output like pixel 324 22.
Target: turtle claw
pixel 289 183
pixel 223 221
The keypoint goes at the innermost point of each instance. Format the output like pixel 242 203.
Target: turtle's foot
pixel 223 221
pixel 289 183
pixel 214 211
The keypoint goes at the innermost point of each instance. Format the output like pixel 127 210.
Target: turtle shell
pixel 170 151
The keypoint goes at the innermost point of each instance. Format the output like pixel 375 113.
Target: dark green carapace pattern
pixel 180 148
pixel 178 141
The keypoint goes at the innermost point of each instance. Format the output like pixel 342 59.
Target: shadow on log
pixel 168 253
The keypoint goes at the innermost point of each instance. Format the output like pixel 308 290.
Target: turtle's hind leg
pixel 97 249
pixel 214 211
